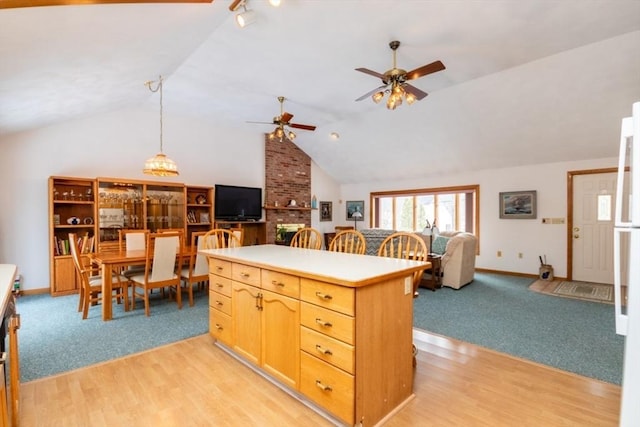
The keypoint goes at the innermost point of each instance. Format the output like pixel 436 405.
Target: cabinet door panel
pixel 281 337
pixel 246 321
pixel 65 275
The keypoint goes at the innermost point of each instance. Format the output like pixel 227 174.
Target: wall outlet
pixel 499 254
pixel 408 285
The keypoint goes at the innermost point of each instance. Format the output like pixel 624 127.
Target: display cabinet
pixel 137 205
pixel 72 209
pixel 199 210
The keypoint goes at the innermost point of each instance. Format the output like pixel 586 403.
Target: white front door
pixel 593 221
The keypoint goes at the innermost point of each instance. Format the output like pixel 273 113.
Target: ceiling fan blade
pixel 368 94
pixel 286 117
pixel 262 123
pixel 425 69
pixel 299 126
pixel 415 91
pixel 370 72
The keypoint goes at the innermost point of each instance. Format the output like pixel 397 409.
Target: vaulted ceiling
pixel 526 82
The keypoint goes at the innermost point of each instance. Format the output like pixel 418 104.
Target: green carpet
pixel 500 312
pixel 53 338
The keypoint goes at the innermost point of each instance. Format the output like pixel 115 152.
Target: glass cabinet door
pixel 120 206
pixel 165 207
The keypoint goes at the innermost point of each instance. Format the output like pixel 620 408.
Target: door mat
pixel 587 291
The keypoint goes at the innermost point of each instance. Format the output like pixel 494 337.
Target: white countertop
pixel 335 267
pixel 7 276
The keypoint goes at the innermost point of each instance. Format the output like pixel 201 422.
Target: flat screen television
pixel 235 203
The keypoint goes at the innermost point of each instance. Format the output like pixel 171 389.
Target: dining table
pixel 110 261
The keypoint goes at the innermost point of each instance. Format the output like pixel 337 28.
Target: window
pixel 451 208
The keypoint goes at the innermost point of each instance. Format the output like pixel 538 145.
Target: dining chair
pixel 308 238
pixel 239 233
pixel 197 272
pixel 91 285
pixel 405 245
pixel 132 240
pixel 349 241
pixel 163 262
pixel 220 238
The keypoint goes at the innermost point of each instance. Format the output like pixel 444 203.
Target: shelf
pixel 73 202
pixel 74 226
pixel 198 223
pixel 198 205
pixel 287 208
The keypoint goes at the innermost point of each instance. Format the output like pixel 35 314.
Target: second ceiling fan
pixel 395 82
pixel 284 120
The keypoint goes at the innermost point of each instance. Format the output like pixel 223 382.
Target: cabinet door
pixel 281 337
pixel 246 321
pixel 65 275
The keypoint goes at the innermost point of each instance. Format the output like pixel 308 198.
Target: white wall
pixel 529 237
pixel 116 145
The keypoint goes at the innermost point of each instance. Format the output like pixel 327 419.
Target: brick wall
pixel 288 176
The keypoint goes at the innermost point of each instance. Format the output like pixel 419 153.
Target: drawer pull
pixel 323 323
pixel 219 303
pixel 322 386
pixel 323 296
pixel 243 274
pixel 276 283
pixel 219 268
pixel 323 350
pixel 219 326
pixel 220 285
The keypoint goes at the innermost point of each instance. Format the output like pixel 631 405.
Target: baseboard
pixel 35 291
pixel 512 273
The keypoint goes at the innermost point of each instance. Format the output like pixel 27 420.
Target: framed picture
pixel 355 210
pixel 326 211
pixel 204 217
pixel 518 205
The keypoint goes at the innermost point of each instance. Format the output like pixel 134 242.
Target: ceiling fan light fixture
pixel 279 132
pixel 291 136
pixel 410 98
pixel 377 97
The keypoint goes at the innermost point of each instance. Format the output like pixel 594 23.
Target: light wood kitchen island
pixel 330 327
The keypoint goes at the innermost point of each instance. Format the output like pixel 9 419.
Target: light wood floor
pixel 194 383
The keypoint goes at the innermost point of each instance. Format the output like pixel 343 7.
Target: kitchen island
pixel 331 328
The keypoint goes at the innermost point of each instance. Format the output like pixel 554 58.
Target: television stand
pixel 255 232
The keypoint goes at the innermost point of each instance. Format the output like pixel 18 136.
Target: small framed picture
pixel 326 211
pixel 204 217
pixel 518 205
pixel 355 210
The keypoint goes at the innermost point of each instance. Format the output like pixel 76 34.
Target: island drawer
pixel 245 274
pixel 281 283
pixel 220 267
pixel 220 284
pixel 220 302
pixel 333 297
pixel 328 349
pixel 327 322
pixel 220 326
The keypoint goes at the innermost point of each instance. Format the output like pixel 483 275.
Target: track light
pixel 243 18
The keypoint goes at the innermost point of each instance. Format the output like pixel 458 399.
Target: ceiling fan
pixel 395 82
pixel 284 120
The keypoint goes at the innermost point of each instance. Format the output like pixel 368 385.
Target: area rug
pixel 596 292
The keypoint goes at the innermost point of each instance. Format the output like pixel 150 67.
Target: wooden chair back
pixel 308 238
pixel 221 238
pixel 239 233
pixel 408 246
pixel 132 240
pixel 349 241
pixel 163 258
pixel 198 264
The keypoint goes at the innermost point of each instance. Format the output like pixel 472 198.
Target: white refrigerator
pixel 626 253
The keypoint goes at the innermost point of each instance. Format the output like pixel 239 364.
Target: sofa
pixel 458 250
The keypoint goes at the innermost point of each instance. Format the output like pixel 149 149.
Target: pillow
pixel 439 245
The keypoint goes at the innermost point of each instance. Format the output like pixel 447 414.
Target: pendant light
pixel 160 164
